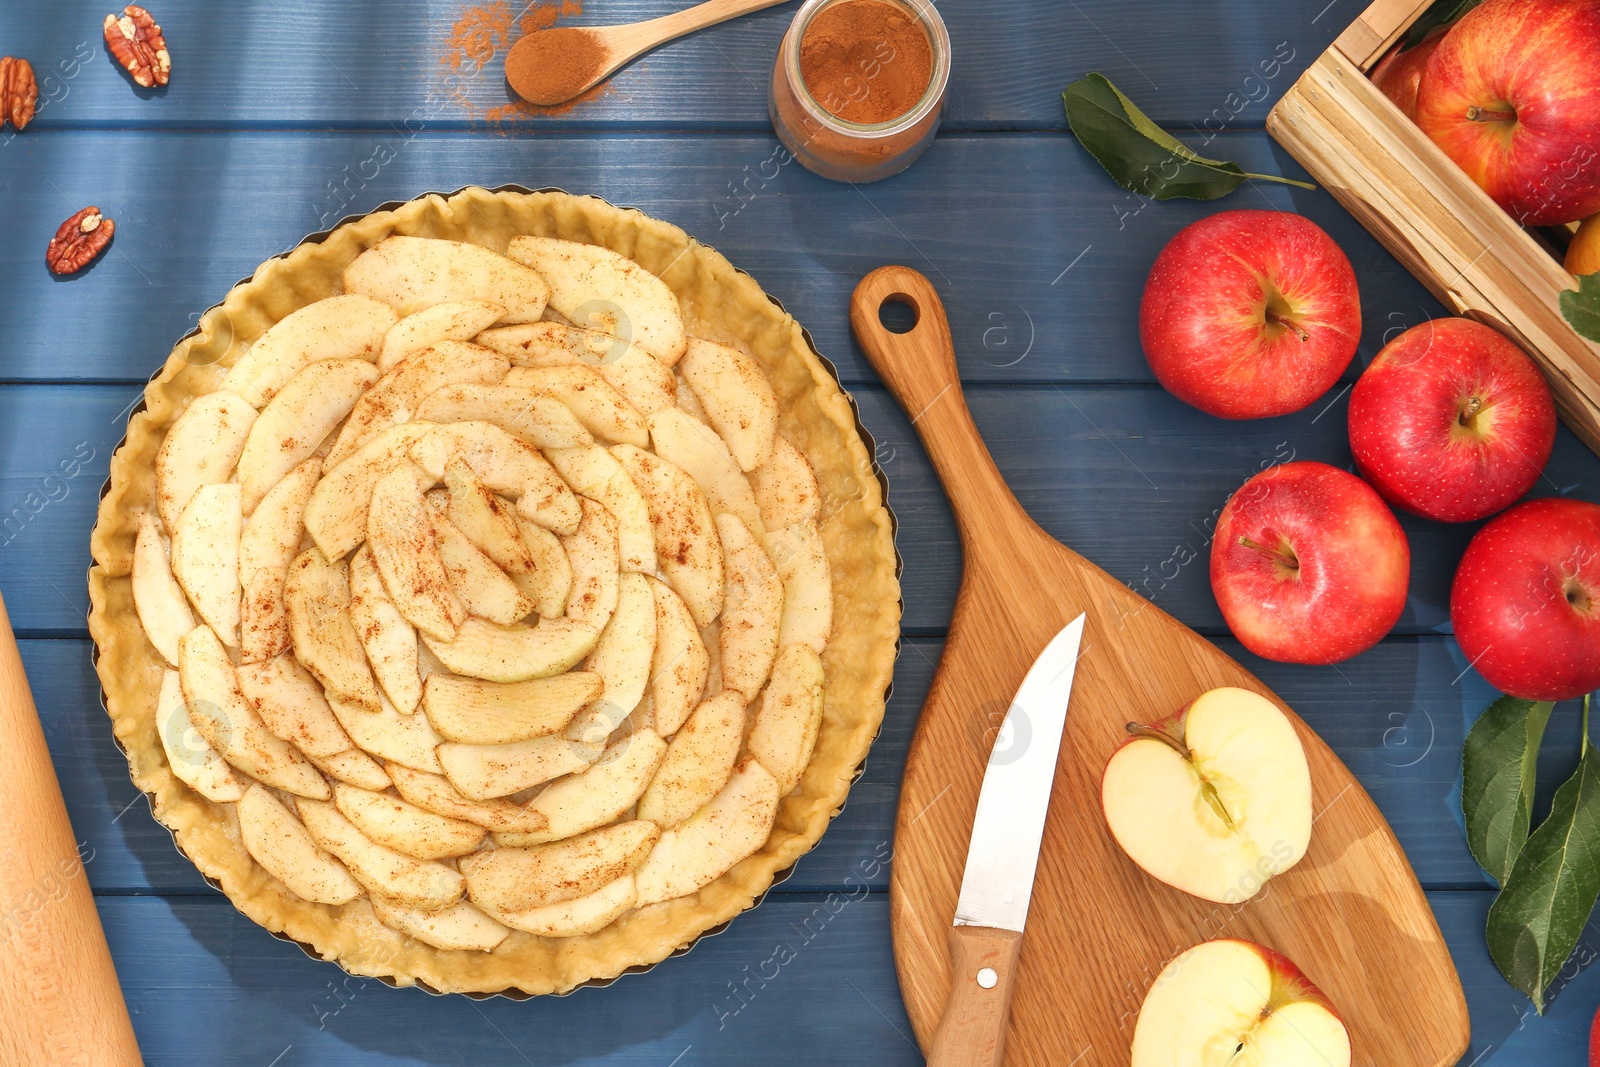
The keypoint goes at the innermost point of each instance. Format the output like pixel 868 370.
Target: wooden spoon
pixel 542 69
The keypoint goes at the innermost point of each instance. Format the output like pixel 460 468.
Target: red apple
pixel 1248 314
pixel 1512 94
pixel 1594 1041
pixel 1451 421
pixel 1398 73
pixel 1309 564
pixel 1583 254
pixel 1526 600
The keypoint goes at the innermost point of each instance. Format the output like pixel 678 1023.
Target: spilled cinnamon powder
pixel 483 31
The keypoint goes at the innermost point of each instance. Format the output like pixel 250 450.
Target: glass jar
pixel 851 151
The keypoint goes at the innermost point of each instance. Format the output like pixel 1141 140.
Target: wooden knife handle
pixel 919 367
pixel 59 998
pixel 972 1031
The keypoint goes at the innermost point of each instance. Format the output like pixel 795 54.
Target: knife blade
pixel 1002 858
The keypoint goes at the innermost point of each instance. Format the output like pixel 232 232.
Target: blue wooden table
pixel 285 115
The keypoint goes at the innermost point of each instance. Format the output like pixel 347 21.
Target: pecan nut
pixel 135 41
pixel 79 240
pixel 19 92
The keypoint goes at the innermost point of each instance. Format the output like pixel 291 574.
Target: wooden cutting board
pixel 1351 913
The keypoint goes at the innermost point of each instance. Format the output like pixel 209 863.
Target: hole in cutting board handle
pixel 899 313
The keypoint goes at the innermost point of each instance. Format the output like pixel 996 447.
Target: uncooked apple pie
pixel 495 594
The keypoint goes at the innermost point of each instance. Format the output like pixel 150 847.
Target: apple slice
pixel 484 588
pixel 316 595
pixel 201 448
pixel 404 827
pixel 412 273
pixel 190 756
pixel 398 395
pixel 394 876
pixel 514 653
pixel 595 556
pixel 595 402
pixel 681 666
pixel 515 879
pixel 530 415
pixel 687 548
pixel 1214 800
pixel 734 825
pixel 737 399
pixel 588 799
pixel 1234 1002
pixel 205 556
pixel 290 429
pixel 698 763
pixel 786 727
pixel 644 380
pixel 409 740
pixel 479 513
pixel 460 927
pixel 453 320
pixel 550 581
pixel 336 514
pixel 595 473
pixel 807 578
pixel 574 918
pixel 786 487
pixel 270 540
pixel 341 327
pixel 157 597
pixel 283 846
pixel 292 706
pixel 507 466
pixel 685 441
pixel 433 792
pixel 485 772
pixel 753 609
pixel 353 766
pixel 390 641
pixel 597 288
pixel 400 535
pixel 622 659
pixel 476 712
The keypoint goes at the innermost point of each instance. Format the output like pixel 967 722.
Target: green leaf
pixel 1582 307
pixel 1141 156
pixel 1442 13
pixel 1497 777
pixel 1537 918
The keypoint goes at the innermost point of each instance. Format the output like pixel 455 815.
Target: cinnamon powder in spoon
pixel 554 64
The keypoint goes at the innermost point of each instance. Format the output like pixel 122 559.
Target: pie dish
pixel 496 594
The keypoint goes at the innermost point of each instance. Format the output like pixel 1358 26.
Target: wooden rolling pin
pixel 60 1004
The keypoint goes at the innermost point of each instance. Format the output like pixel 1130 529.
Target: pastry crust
pixel 719 303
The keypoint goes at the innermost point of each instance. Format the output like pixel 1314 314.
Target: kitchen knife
pixel 986 938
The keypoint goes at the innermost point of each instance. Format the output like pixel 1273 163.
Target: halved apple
pixel 190 756
pixel 528 414
pixel 807 578
pixel 304 412
pixel 270 540
pixel 737 398
pixel 515 879
pixel 507 466
pixel 752 609
pixel 157 597
pixel 550 581
pixel 292 706
pixel 398 395
pixel 1235 1002
pixel 350 326
pixel 734 825
pixel 477 712
pixel 433 792
pixel 595 402
pixel 786 487
pixel 596 288
pixel 452 320
pixel 647 383
pixel 786 727
pixel 409 740
pixel 595 556
pixel 1214 800
pixel 595 473
pixel 404 827
pixel 590 798
pixel 390 641
pixel 684 440
pixel 400 535
pixel 412 273
pixel 205 556
pixel 219 711
pixel 336 514
pixel 280 842
pixel 681 665
pixel 687 548
pixel 576 917
pixel 481 649
pixel 460 927
pixel 622 659
pixel 316 595
pixel 394 876
pixel 201 448
pixel 698 762
pixel 484 772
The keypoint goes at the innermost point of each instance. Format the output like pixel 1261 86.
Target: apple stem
pixel 1165 738
pixel 1283 556
pixel 1470 409
pixel 1488 114
pixel 1288 324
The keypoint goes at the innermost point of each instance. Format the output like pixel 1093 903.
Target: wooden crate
pixel 1428 213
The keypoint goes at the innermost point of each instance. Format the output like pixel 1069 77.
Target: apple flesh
pixel 1525 603
pixel 1230 1003
pixel 1398 73
pixel 1451 421
pixel 1512 95
pixel 1309 565
pixel 1583 254
pixel 1249 314
pixel 1214 800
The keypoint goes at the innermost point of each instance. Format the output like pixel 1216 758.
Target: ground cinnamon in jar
pixel 866 61
pixel 554 64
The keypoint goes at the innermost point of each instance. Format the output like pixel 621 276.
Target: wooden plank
pixel 366 68
pixel 1042 273
pixel 1126 474
pixel 1377 28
